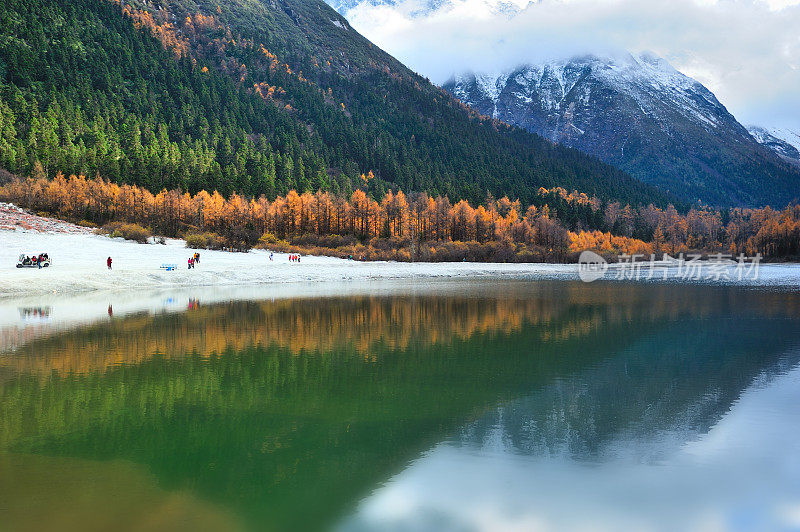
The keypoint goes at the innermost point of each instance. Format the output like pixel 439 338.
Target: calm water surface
pixel 507 406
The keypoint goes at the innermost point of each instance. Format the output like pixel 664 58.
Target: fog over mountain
pixel 747 53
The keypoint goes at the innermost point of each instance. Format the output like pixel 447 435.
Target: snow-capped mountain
pixel 784 142
pixel 640 114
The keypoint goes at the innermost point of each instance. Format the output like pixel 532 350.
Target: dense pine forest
pixel 253 98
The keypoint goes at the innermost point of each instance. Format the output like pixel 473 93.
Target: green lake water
pixel 471 406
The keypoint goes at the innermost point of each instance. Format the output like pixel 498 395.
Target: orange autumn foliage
pixel 408 221
pixel 606 243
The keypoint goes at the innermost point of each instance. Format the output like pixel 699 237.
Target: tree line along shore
pixel 556 227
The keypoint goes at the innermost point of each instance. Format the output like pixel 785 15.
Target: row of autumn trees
pixel 413 226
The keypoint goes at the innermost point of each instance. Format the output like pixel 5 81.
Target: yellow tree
pixel 463 222
pixel 360 210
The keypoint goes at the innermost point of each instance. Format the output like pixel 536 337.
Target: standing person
pixel 197 258
pixel 108 262
pixel 189 263
pixel 270 256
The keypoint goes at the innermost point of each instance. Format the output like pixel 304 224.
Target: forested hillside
pixel 257 97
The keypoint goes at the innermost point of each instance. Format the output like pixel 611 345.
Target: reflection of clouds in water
pixel 742 474
pixel 757 421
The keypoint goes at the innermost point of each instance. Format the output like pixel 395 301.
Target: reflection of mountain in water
pixel 288 412
pixel 654 395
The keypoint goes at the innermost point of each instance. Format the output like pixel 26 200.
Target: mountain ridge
pixel 640 114
pixel 255 97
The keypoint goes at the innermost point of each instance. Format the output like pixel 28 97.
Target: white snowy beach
pixel 79 265
pixel 78 287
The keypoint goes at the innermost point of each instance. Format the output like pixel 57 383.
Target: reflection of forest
pixel 364 324
pixel 288 411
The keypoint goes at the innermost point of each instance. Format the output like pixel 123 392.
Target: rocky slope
pixel 784 142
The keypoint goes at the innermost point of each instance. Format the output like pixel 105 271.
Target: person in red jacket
pixel 108 262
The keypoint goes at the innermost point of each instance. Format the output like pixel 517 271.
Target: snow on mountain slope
pixel 639 113
pixel 649 80
pixel 784 142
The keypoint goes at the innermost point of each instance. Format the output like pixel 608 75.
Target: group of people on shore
pixel 195 259
pixel 35 260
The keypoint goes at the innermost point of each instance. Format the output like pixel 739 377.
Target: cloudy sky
pixel 746 51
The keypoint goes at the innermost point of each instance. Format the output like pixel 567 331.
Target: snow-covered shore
pixel 79 265
pixel 78 288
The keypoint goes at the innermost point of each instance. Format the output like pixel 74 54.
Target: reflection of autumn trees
pixel 366 325
pixel 285 437
pixel 407 223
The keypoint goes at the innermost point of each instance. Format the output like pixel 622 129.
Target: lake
pixel 455 406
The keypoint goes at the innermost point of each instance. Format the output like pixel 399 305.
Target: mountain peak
pixel 637 112
pixel 646 77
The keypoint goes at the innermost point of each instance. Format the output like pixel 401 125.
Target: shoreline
pixel 79 266
pixel 79 263
pixel 78 289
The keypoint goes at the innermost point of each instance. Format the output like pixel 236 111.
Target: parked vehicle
pixel 42 260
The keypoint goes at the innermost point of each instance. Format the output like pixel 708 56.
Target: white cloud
pixel 746 51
